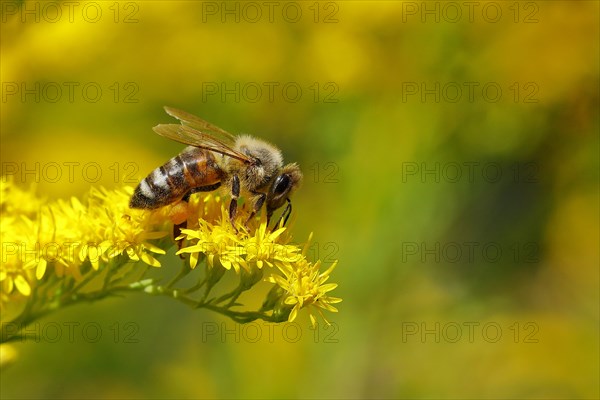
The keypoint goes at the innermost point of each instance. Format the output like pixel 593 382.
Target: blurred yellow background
pixel 450 153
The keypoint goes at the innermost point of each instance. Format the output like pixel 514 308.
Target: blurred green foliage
pixel 395 227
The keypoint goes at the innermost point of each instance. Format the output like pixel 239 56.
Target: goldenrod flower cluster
pixel 249 251
pixel 60 252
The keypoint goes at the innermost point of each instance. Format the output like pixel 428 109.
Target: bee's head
pixel 288 180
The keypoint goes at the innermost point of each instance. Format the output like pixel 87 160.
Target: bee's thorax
pixel 260 173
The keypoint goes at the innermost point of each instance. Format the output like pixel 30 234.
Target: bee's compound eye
pixel 282 183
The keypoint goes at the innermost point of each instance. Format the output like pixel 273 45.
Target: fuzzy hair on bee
pixel 269 162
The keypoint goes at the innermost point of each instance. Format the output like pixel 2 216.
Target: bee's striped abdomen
pixel 168 183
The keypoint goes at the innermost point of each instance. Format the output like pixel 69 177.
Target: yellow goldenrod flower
pixel 218 242
pixel 304 286
pixel 16 200
pixel 123 231
pixel 61 252
pixel 14 273
pixel 263 247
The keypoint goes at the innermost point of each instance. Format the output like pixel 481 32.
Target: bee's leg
pixel 260 200
pixel 235 193
pixel 182 225
pixel 176 232
pixel 177 227
pixel 208 188
pixel 285 214
pixel 186 198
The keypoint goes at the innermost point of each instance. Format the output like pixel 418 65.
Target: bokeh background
pixel 450 154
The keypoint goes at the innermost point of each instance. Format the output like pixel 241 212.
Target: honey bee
pixel 215 158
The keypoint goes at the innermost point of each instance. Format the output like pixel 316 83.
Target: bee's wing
pixel 194 137
pixel 201 125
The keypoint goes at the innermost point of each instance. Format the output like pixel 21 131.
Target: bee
pixel 214 158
